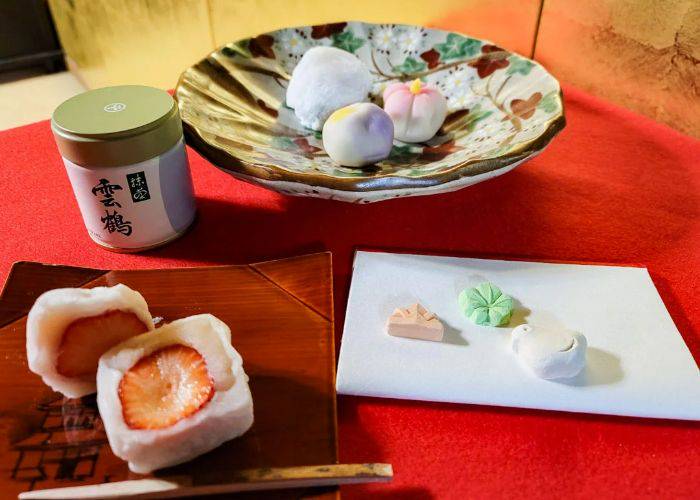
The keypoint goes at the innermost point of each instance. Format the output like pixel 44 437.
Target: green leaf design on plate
pixel 403 152
pixel 476 114
pixel 486 305
pixel 519 65
pixel 410 65
pixel 347 41
pixel 457 46
pixel 416 172
pixel 239 48
pixel 358 172
pixel 550 102
pixel 284 143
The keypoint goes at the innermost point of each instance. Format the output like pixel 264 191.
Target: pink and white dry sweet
pixel 359 134
pixel 415 322
pixel 326 79
pixel 418 110
pixel 68 329
pixel 171 395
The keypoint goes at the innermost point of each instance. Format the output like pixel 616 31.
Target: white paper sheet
pixel 637 364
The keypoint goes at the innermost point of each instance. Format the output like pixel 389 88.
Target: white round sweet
pixel 326 79
pixel 549 353
pixel 359 134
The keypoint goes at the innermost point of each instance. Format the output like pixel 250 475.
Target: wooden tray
pixel 281 318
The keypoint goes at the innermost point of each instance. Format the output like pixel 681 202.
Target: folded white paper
pixel 637 362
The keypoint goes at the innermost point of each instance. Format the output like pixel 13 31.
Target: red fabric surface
pixel 613 187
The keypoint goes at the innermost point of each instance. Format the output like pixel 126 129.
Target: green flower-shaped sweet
pixel 486 305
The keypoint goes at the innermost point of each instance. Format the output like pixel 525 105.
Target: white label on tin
pixel 126 207
pixel 115 107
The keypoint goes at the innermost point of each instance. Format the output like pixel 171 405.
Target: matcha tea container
pixel 125 156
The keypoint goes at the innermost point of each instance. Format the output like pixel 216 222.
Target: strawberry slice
pixel 86 339
pixel 164 387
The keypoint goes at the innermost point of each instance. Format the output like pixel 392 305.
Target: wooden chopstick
pixel 244 480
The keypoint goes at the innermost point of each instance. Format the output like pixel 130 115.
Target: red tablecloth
pixel 613 187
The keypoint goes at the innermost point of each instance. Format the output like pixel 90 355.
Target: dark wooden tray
pixel 281 318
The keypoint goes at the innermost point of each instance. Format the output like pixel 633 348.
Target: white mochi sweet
pixel 55 310
pixel 227 415
pixel 326 79
pixel 549 353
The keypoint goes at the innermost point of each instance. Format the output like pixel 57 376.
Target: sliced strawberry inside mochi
pixel 165 387
pixel 86 339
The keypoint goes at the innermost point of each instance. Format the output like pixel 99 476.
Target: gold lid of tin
pixel 115 126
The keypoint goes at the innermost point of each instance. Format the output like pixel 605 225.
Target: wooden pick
pixel 244 480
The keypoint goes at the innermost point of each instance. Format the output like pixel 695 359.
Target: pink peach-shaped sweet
pixel 417 110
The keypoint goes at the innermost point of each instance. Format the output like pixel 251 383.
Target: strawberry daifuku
pixel 171 395
pixel 68 329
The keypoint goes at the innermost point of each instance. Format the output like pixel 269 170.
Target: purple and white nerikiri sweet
pixel 359 134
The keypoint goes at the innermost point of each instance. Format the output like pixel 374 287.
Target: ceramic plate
pixel 503 109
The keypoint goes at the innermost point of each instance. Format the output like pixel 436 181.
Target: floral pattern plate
pixel 503 109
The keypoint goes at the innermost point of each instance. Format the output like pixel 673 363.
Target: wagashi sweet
pixel 418 110
pixel 326 79
pixel 173 394
pixel 415 322
pixel 550 353
pixel 68 329
pixel 486 305
pixel 358 134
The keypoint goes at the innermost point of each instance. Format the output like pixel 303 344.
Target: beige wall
pixel 110 42
pixel 234 19
pixel 642 54
pixel 509 23
pixel 151 42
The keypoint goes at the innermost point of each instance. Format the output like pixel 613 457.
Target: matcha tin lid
pixel 115 126
pixel 125 157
